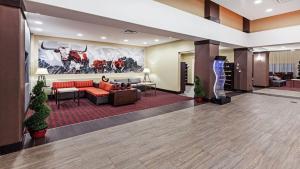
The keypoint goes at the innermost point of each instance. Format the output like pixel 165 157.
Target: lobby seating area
pixel 98 93
pixel 69 113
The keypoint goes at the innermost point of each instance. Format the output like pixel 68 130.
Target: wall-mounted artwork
pixel 65 58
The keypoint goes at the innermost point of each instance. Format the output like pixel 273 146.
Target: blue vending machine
pixel 218 67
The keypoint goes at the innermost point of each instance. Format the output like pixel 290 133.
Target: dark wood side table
pixel 61 91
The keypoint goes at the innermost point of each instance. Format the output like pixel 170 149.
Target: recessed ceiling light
pixel 156 40
pixel 257 2
pixel 293 50
pixel 125 40
pixel 283 47
pixel 38 22
pixel 269 10
pixel 145 43
pixel 103 37
pixel 79 34
pixel 38 29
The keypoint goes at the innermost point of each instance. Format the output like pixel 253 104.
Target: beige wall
pixel 229 53
pixel 66 77
pixel 231 19
pixel 189 59
pixel 278 21
pixel 286 57
pixel 195 7
pixel 163 61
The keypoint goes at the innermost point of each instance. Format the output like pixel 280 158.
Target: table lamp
pixel 146 75
pixel 42 72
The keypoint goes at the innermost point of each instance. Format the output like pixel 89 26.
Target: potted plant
pixel 198 90
pixel 36 124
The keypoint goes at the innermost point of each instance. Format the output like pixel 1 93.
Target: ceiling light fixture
pixel 269 10
pixel 256 2
pixel 38 22
pixel 103 37
pixel 125 40
pixel 145 43
pixel 79 34
pixel 156 40
pixel 38 29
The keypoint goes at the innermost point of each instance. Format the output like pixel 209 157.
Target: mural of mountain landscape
pixel 65 58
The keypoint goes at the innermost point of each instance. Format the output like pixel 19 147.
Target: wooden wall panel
pixel 195 7
pixel 231 19
pixel 11 75
pixel 278 21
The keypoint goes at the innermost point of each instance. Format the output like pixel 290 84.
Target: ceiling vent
pixel 283 1
pixel 128 31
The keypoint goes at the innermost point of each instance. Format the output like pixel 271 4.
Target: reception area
pixel 157 84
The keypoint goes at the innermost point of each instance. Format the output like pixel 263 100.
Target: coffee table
pixel 73 90
pixel 148 86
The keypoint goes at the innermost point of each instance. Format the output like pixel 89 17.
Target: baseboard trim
pixel 190 84
pixel 261 86
pixel 169 91
pixel 10 148
pixel 242 91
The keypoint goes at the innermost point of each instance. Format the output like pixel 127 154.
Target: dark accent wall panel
pixel 212 11
pixel 246 25
pixel 11 75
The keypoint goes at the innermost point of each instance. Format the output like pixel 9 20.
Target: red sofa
pixel 98 94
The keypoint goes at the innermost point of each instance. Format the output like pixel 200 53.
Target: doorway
pixel 187 64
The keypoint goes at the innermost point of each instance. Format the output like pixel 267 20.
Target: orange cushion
pixel 102 85
pixel 57 85
pixel 106 86
pixel 97 92
pixel 79 84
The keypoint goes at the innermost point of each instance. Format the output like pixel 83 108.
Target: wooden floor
pixel 253 132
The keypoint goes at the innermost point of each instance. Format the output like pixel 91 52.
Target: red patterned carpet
pixel 70 113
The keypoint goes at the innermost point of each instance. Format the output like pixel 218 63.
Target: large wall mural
pixel 65 58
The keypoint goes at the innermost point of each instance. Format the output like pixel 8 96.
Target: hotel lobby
pixel 150 84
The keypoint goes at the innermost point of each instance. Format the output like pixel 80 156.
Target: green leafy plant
pixel 198 90
pixel 37 121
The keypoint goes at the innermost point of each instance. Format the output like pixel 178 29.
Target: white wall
pixel 163 61
pixel 153 17
pixel 66 77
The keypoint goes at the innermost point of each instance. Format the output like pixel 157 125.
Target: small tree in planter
pixel 36 123
pixel 198 90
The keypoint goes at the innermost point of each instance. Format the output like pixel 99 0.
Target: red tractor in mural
pixel 74 61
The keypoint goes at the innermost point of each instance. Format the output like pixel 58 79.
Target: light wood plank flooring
pixel 286 93
pixel 252 132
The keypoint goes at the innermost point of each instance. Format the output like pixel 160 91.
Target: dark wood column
pixel 246 25
pixel 261 69
pixel 212 11
pixel 243 58
pixel 205 53
pixel 11 75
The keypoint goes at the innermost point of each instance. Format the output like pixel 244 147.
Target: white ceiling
pixel 65 28
pixel 248 9
pixel 286 47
